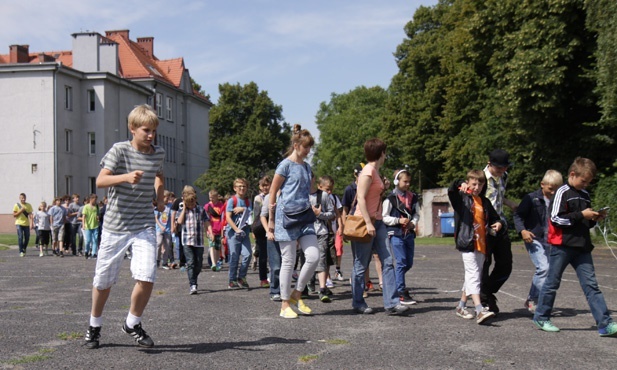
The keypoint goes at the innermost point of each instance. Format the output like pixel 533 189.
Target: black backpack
pixel 256 227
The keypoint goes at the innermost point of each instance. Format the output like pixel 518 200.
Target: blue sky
pixel 300 52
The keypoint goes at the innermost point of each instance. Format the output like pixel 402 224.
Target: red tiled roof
pixel 135 62
pixel 65 57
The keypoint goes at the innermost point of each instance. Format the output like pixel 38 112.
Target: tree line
pixel 534 77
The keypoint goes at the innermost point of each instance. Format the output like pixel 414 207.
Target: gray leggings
pixel 308 243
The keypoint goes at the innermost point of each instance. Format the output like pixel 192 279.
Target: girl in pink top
pixel 370 188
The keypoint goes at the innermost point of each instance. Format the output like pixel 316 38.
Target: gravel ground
pixel 44 312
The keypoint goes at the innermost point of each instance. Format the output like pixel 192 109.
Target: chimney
pixel 19 54
pixel 147 44
pixel 123 33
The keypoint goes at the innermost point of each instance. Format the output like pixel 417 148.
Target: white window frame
pixel 91 100
pixel 92 185
pixel 169 102
pixel 91 143
pixel 68 184
pixel 68 97
pixel 68 141
pixel 159 105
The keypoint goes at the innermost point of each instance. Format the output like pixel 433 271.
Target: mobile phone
pixel 603 209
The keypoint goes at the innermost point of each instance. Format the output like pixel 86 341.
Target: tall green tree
pixel 345 123
pixel 248 136
pixel 475 75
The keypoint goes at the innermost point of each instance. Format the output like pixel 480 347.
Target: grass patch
pixel 70 336
pixel 47 350
pixel 125 307
pixel 448 240
pixel 489 361
pixel 28 359
pixel 160 292
pixel 9 239
pixel 308 358
pixel 4 248
pixel 17 308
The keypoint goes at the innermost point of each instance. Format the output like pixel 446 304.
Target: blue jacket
pixel 531 215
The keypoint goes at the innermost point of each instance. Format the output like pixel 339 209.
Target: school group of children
pixel 66 225
pixel 131 169
pixel 554 223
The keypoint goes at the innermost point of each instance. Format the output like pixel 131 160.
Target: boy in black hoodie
pixel 571 218
pixel 473 213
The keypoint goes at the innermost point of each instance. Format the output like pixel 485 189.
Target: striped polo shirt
pixel 129 208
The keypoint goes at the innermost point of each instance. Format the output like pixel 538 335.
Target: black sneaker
pixel 139 334
pixel 406 299
pixel 311 286
pixel 323 296
pixel 242 283
pixel 399 309
pixel 92 337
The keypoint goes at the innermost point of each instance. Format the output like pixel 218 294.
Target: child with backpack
pixel 261 242
pixel 237 213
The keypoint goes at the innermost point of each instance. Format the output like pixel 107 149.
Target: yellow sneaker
pixel 288 313
pixel 300 306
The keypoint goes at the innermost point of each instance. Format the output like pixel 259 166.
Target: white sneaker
pixel 193 289
pixel 329 283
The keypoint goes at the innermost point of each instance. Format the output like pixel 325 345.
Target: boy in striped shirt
pixel 131 170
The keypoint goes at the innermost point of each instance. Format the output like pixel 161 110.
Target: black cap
pixel 357 170
pixel 500 157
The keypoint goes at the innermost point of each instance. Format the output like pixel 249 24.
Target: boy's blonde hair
pixel 213 194
pixel 582 166
pixel 552 177
pixel 143 115
pixel 43 206
pixel 477 175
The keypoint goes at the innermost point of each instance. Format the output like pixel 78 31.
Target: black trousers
pixel 499 249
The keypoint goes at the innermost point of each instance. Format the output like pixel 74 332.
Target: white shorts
pixel 111 254
pixel 473 262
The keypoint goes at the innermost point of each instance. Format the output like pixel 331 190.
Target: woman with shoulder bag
pixel 370 189
pixel 294 219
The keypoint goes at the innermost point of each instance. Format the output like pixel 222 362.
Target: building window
pixel 173 150
pixel 170 110
pixel 91 101
pixel 159 105
pixel 68 98
pixel 68 184
pixel 91 143
pixel 92 183
pixel 68 140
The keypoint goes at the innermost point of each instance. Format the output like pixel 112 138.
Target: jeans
pixel 73 231
pixel 538 252
pixel 581 261
pixel 91 237
pixel 23 237
pixel 274 257
pixel 163 246
pixel 403 250
pixel 194 262
pixel 362 253
pixel 239 247
pixel 499 248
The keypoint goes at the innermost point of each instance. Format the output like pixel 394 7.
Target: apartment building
pixel 61 111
